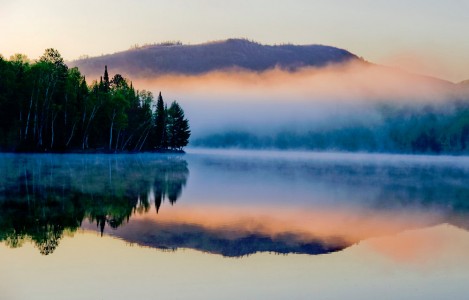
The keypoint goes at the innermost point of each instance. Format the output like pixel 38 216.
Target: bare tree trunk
pixel 45 107
pixel 138 142
pixel 144 136
pixel 65 111
pixel 52 130
pixel 144 140
pixel 110 135
pixel 21 126
pixel 71 134
pixel 87 128
pixel 117 141
pixel 133 133
pixel 110 131
pixel 83 129
pixel 29 115
pixel 42 119
pixel 35 121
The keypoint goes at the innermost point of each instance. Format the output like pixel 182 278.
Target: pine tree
pixel 101 85
pixel 160 124
pixel 164 139
pixel 106 80
pixel 177 127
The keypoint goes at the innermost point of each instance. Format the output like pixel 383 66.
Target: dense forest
pixel 414 128
pixel 47 107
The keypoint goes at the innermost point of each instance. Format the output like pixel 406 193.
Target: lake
pixel 228 224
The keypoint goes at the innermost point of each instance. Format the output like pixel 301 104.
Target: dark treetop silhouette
pixel 45 106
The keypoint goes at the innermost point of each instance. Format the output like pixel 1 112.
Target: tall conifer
pixel 177 127
pixel 106 80
pixel 160 123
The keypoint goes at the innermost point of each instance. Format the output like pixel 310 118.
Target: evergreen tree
pixel 106 83
pixel 160 124
pixel 177 127
pixel 164 140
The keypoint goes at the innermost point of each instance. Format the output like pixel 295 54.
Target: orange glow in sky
pixel 380 31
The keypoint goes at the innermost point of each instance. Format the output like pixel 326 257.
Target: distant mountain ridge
pixel 176 58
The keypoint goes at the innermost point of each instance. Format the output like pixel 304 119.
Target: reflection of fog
pixel 43 195
pixel 306 179
pixel 236 203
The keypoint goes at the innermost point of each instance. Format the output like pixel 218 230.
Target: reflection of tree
pixel 39 219
pixel 41 197
pixel 47 238
pixel 169 183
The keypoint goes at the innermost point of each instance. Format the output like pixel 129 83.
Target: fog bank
pixel 311 97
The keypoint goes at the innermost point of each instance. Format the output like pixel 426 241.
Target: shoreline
pixel 98 151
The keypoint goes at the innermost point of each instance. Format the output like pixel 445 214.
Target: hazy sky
pixel 426 36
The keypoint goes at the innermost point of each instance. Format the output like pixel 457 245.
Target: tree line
pixel 432 128
pixel 46 106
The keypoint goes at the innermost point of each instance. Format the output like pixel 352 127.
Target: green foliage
pixel 160 124
pixel 171 127
pixel 45 106
pixel 178 132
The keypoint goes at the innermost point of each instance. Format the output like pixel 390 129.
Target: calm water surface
pixel 234 225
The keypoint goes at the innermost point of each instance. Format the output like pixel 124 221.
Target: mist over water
pixel 311 98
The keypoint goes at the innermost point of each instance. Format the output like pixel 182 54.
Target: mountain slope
pixel 197 59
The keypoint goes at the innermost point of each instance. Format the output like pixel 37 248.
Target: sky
pixel 422 36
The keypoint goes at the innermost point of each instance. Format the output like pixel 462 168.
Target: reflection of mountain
pixel 42 196
pixel 227 241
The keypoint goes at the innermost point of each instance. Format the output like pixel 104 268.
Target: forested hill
pixel 176 58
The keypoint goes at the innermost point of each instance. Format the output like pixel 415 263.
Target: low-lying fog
pixel 276 100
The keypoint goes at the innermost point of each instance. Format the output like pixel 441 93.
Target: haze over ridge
pixel 176 58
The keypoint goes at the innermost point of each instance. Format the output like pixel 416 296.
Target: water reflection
pixel 233 205
pixel 371 181
pixel 44 196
